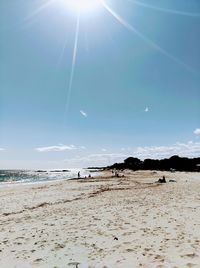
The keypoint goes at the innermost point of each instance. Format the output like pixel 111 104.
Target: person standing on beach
pixel 79 175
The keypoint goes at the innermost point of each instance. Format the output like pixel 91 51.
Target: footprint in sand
pixel 37 261
pixel 74 264
pixel 130 250
pixel 190 265
pixel 159 257
pixel 59 246
pixel 126 243
pixel 190 255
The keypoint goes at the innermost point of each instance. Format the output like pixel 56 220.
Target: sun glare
pixel 83 6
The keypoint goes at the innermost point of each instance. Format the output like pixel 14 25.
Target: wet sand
pixel 103 222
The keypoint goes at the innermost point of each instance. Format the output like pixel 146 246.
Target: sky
pixel 91 88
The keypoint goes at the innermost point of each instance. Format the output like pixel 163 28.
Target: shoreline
pixel 103 221
pixel 39 181
pixel 93 176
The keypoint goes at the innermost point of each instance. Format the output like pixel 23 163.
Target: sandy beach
pixel 124 222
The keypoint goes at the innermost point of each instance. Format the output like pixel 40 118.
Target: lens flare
pixel 83 6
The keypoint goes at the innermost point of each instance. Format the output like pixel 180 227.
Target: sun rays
pixel 146 39
pixel 41 8
pixel 80 7
pixel 83 6
pixel 166 10
pixel 73 62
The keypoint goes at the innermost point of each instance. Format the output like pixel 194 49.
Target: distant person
pixel 79 175
pixel 116 174
pixel 163 180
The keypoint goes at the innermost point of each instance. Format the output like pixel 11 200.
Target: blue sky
pixel 135 87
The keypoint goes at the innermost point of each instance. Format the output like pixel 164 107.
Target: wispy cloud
pixel 96 159
pixel 146 110
pixel 2 149
pixel 197 131
pixel 59 148
pixel 103 150
pixel 83 113
pixel 189 149
pixel 128 149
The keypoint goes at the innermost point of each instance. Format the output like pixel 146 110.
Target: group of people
pixel 116 173
pixel 79 175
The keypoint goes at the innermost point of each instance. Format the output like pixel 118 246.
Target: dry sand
pixel 103 222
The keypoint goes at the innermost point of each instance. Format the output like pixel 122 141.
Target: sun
pixel 83 6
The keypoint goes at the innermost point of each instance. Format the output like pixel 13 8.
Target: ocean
pixel 8 177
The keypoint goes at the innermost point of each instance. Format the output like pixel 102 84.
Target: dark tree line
pixel 174 163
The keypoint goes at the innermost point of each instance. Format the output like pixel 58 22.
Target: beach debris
pixel 172 180
pixel 75 264
pixel 115 238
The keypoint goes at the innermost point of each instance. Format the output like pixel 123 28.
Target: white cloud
pixel 2 149
pixel 103 150
pixel 58 148
pixel 83 113
pixel 146 110
pixel 189 149
pixel 96 159
pixel 197 131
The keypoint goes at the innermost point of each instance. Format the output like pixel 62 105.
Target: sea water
pixel 33 176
